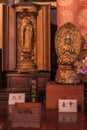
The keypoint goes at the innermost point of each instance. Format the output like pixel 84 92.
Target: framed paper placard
pixel 67 105
pixel 16 98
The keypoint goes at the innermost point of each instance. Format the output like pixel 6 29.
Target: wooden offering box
pixel 26 115
pixel 54 92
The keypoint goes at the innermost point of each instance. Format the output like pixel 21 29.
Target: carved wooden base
pixel 56 91
pixel 27 66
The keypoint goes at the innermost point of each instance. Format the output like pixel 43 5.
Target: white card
pixel 67 105
pixel 16 98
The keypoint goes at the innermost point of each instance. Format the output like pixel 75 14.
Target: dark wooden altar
pixel 33 84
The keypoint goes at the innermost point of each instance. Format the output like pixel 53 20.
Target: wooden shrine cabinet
pixel 33 84
pixel 13 22
pixel 26 53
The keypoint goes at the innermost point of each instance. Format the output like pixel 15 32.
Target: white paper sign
pixel 16 98
pixel 67 105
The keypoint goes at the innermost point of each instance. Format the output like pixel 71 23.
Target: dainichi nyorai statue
pixel 68 46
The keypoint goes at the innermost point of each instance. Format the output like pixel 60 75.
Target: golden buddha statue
pixel 68 46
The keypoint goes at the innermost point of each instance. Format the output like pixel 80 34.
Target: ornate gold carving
pixel 68 46
pixel 26 38
pixel 31 8
pixel 67 75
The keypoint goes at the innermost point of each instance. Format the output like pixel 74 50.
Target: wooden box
pixel 54 92
pixel 26 115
